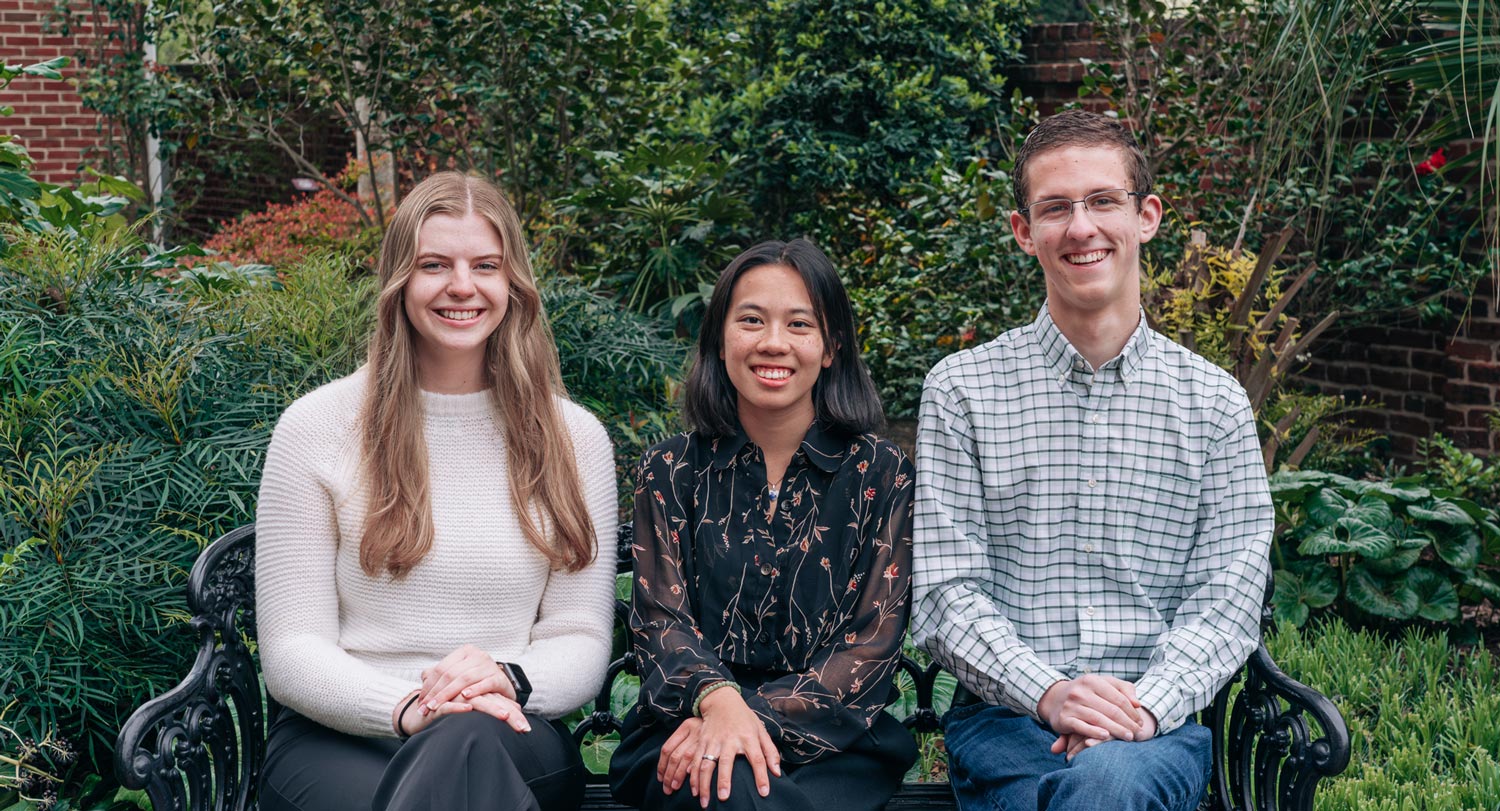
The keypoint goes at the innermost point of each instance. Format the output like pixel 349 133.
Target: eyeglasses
pixel 1101 205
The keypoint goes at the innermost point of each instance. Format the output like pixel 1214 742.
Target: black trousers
pixel 860 778
pixel 463 761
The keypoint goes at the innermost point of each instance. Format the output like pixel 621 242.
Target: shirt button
pixel 1087 670
pixel 1094 419
pixel 764 638
pixel 1089 611
pixel 1093 483
pixel 1088 547
pixel 765 569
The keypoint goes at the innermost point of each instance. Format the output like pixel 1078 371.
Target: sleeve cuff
pixel 1164 701
pixel 1030 682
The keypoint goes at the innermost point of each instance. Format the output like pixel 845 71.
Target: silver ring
pixel 711 758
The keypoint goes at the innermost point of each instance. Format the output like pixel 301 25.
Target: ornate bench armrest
pixel 1275 739
pixel 200 744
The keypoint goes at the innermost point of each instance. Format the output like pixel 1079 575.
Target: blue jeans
pixel 999 760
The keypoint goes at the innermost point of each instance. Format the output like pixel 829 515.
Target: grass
pixel 1423 715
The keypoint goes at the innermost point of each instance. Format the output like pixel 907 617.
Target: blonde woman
pixel 430 592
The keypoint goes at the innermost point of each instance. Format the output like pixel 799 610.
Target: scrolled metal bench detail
pixel 199 746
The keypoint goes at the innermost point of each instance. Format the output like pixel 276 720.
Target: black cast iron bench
pixel 199 746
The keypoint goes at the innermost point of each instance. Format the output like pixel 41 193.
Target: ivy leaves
pixel 1394 550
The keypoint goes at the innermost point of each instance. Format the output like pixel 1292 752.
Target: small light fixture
pixel 305 184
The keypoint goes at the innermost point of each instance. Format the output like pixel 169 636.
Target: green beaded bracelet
pixel 698 702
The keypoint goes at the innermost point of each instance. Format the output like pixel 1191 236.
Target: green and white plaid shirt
pixel 1073 521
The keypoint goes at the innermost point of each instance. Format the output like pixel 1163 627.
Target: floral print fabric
pixel 802 600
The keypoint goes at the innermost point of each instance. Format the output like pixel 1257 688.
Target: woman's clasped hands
pixel 702 746
pixel 465 680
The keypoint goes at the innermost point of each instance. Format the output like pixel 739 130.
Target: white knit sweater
pixel 342 647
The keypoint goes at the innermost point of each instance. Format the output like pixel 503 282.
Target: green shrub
pixel 1286 108
pixel 1231 306
pixel 840 103
pixel 129 437
pixel 1423 716
pixel 1392 550
pixel 938 274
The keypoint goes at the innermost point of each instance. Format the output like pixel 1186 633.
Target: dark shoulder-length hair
pixel 844 396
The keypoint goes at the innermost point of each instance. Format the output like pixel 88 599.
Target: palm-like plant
pixel 1458 56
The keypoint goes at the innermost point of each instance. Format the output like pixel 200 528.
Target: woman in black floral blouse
pixel 772 562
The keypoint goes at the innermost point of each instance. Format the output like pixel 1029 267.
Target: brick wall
pixel 50 119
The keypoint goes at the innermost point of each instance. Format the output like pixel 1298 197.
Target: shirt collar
pixel 822 447
pixel 1061 357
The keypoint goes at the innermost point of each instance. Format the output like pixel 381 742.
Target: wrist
pixel 398 716
pixel 1047 706
pixel 712 695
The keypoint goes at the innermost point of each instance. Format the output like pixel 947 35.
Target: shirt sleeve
pixel 567 656
pixel 1217 625
pixel 826 707
pixel 296 596
pixel 674 661
pixel 955 618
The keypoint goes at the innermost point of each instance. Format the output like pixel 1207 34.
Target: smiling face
pixel 773 347
pixel 455 298
pixel 1092 263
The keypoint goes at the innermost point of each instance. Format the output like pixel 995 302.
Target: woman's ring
pixel 713 758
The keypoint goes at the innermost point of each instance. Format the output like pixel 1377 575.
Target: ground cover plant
pixel 1423 715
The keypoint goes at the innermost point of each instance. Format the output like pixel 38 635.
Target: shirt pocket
pixel 1159 538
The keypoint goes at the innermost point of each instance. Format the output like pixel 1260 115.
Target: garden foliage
pixel 1285 108
pixel 1423 715
pixel 1231 306
pixel 1380 551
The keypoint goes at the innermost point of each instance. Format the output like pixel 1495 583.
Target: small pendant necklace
pixel 773 489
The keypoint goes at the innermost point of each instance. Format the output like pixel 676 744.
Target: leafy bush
pixel 1423 716
pixel 39 207
pixel 1284 108
pixel 833 103
pixel 129 437
pixel 657 225
pixel 1384 550
pixel 939 274
pixel 1230 306
pixel 1460 471
pixel 284 234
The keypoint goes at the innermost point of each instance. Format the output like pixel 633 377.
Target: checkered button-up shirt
pixel 1072 520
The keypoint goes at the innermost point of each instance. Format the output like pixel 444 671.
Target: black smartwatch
pixel 518 680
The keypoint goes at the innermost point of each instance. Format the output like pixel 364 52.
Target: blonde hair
pixel 524 380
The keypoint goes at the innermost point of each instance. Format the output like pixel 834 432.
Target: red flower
pixel 869 493
pixel 967 335
pixel 1434 162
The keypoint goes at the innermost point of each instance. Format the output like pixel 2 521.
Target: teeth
pixel 773 374
pixel 1085 258
pixel 459 315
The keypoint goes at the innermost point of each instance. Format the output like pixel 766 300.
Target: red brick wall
pixel 50 119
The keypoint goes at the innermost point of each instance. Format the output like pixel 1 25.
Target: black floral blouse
pixel 803 601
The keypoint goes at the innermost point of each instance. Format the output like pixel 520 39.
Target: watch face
pixel 518 680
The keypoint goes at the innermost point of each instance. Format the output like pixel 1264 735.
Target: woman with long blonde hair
pixel 430 592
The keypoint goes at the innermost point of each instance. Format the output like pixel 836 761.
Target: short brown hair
pixel 1085 129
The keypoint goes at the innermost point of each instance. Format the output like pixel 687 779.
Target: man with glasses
pixel 1092 516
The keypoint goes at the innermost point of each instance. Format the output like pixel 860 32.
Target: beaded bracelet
pixel 698 702
pixel 401 717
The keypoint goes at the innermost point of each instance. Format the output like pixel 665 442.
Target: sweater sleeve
pixel 297 604
pixel 568 653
